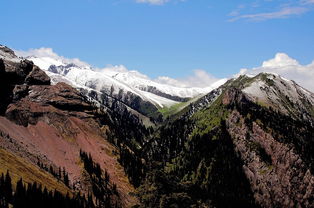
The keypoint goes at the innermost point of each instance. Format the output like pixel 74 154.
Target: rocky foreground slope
pixel 48 127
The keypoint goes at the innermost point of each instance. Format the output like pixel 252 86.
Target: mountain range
pixel 119 139
pixel 130 87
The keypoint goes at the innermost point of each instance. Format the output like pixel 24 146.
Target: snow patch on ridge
pixel 279 92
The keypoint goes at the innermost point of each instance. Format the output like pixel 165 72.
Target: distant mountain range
pixel 150 95
pixel 84 138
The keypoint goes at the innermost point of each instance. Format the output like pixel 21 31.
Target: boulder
pixel 37 77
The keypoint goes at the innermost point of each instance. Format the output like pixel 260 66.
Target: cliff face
pixel 276 154
pixel 14 71
pixel 49 125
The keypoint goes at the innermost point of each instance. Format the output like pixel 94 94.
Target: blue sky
pixel 169 38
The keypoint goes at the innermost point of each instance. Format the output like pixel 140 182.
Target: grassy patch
pixel 209 117
pixel 168 111
pixel 18 167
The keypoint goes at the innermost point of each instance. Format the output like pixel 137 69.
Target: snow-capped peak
pixel 280 93
pixel 114 80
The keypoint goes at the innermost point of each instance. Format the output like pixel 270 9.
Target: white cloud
pixel 280 60
pixel 200 78
pixel 48 52
pixel 170 81
pixel 287 67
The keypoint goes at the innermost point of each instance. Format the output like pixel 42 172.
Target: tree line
pixel 34 195
pixel 104 191
pixel 61 174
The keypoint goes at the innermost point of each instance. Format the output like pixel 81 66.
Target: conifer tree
pixel 8 188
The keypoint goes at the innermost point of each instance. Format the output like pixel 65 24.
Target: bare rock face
pixel 278 176
pixel 37 77
pixel 15 71
pixel 31 103
pixel 19 92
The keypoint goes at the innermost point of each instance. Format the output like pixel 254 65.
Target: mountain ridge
pixel 112 82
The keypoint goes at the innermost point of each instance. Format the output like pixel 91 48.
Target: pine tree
pixel 20 195
pixel 8 188
pixel 107 178
pixel 2 199
pixel 59 173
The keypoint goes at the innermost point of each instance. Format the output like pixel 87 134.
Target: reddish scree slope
pixel 52 123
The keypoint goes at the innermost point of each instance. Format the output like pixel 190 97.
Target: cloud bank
pixel 48 52
pixel 199 78
pixel 287 67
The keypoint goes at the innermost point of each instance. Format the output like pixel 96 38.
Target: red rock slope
pixel 51 124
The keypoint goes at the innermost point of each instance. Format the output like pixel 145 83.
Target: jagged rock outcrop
pixel 37 77
pixel 34 102
pixel 15 71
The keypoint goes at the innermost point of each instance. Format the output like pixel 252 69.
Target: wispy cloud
pixel 307 1
pixel 154 2
pixel 282 11
pixel 157 2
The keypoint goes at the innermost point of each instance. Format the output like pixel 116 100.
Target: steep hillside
pixel 19 168
pixel 247 144
pixel 49 127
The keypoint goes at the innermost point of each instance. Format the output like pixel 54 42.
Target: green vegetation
pixel 169 111
pixel 210 117
pixel 197 164
pixel 241 82
pixel 264 77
